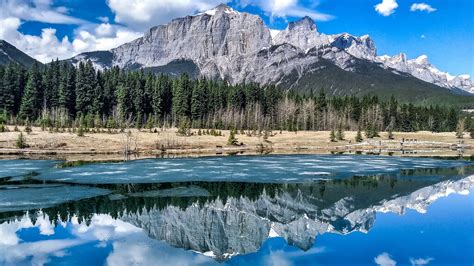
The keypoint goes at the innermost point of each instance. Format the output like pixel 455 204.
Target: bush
pixel 28 129
pixel 3 128
pixel 232 140
pixel 21 141
pixel 80 131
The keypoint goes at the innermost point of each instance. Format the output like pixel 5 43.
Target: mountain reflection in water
pixel 197 222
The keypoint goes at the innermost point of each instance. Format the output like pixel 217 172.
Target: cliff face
pixel 238 47
pixel 241 225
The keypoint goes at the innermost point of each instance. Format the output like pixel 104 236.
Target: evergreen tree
pixel 67 93
pixel 332 135
pixel 85 87
pixel 182 96
pixel 7 90
pixel 198 100
pixel 21 141
pixel 460 129
pixel 358 137
pixel 124 104
pixel 340 132
pixel 51 84
pixel 31 102
pixel 232 140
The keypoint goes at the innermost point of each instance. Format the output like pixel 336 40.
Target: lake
pixel 238 210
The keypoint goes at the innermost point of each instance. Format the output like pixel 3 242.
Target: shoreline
pixel 167 143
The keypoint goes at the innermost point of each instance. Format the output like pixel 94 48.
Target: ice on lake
pixel 263 169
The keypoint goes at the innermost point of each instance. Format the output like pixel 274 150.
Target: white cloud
pixel 285 8
pixel 422 7
pixel 387 7
pixel 384 259
pixel 37 10
pixel 420 261
pixel 47 46
pixel 141 15
pixel 103 19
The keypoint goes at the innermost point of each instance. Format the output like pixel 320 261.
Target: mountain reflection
pixel 222 219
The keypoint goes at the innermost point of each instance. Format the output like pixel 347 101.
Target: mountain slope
pixel 225 44
pixel 10 54
pixel 368 78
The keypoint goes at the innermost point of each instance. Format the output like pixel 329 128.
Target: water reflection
pixel 198 222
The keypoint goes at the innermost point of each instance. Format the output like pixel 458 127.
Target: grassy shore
pixel 143 143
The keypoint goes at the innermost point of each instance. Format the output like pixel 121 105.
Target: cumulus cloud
pixel 387 7
pixel 422 7
pixel 141 15
pixel 285 8
pixel 37 10
pixel 384 259
pixel 47 46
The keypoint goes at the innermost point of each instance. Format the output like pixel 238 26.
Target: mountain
pixel 298 213
pixel 422 69
pixel 10 54
pixel 238 47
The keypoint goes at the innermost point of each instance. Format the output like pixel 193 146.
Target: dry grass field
pixel 146 143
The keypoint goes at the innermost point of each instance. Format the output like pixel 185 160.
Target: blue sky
pixel 441 29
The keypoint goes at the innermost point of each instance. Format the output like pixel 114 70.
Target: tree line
pixel 61 95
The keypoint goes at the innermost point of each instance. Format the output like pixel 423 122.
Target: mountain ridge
pixel 240 48
pixel 11 54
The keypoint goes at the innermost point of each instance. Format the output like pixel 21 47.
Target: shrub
pixel 232 140
pixel 21 141
pixel 80 131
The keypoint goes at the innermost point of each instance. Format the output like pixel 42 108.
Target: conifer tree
pixel 182 96
pixel 340 132
pixel 67 93
pixel 198 100
pixel 358 137
pixel 21 141
pixel 8 89
pixel 460 129
pixel 232 140
pixel 85 86
pixel 31 102
pixel 332 135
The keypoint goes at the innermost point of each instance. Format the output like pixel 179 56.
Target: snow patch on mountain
pixel 421 68
pixel 239 47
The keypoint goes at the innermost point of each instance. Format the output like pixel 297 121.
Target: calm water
pixel 244 210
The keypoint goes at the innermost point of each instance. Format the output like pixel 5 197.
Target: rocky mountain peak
pixel 360 47
pixel 301 34
pixel 223 43
pixel 221 9
pixel 305 23
pixel 422 60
